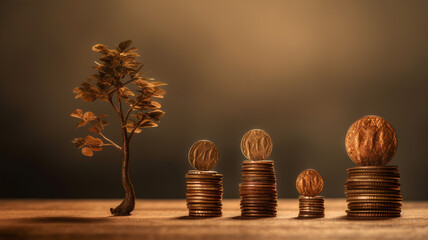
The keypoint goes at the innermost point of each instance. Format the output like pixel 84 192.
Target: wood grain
pixel 166 219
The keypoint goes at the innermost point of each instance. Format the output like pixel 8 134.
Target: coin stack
pixel 311 207
pixel 258 188
pixel 309 184
pixel 372 189
pixel 373 192
pixel 204 192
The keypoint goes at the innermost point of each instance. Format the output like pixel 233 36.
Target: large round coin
pixel 309 183
pixel 203 155
pixel 371 141
pixel 256 145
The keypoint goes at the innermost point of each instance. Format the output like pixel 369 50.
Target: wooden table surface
pixel 167 219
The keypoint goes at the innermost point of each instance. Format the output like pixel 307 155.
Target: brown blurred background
pixel 302 70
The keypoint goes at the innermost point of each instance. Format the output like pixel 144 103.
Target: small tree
pixel 117 70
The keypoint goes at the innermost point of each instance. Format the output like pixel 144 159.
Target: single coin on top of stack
pixel 204 192
pixel 258 188
pixel 372 189
pixel 309 184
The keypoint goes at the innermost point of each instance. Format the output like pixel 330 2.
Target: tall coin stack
pixel 258 188
pixel 204 188
pixel 372 189
pixel 309 184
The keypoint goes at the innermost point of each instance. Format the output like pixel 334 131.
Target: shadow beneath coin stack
pixel 249 218
pixel 192 218
pixel 301 218
pixel 346 218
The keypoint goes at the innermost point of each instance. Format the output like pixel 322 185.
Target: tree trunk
pixel 127 205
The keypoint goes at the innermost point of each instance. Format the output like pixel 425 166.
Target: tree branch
pixel 110 141
pixel 107 139
pixel 135 128
pixel 130 80
pixel 127 113
pixel 122 122
pixel 134 78
pixel 132 108
pixel 111 103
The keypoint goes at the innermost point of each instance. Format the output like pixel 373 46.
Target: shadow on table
pixel 340 218
pixel 232 218
pixel 62 219
pixel 362 219
pixel 249 218
pixel 192 218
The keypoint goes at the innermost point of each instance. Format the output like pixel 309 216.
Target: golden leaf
pixel 129 126
pixel 77 90
pixel 153 105
pixel 142 83
pixel 98 142
pixel 125 92
pixel 156 114
pixel 79 142
pixel 91 141
pixel 133 49
pixel 87 92
pixel 158 92
pixel 123 45
pixel 147 124
pixel 131 54
pixel 94 129
pixel 81 124
pixel 157 84
pixel 78 113
pixel 100 48
pixel 95 148
pixel 88 97
pixel 78 95
pixel 94 76
pixel 102 123
pixel 89 116
pixel 87 152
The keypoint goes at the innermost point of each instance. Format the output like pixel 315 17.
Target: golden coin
pixel 371 141
pixel 309 183
pixel 203 155
pixel 256 144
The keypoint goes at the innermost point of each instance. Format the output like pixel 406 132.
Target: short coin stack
pixel 372 189
pixel 373 192
pixel 258 188
pixel 204 193
pixel 311 207
pixel 204 188
pixel 309 184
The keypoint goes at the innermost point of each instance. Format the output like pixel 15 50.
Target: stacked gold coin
pixel 372 189
pixel 311 207
pixel 258 188
pixel 373 192
pixel 309 184
pixel 204 192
